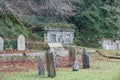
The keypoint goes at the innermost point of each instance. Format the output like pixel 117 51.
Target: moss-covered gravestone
pixel 40 67
pixel 85 59
pixel 50 64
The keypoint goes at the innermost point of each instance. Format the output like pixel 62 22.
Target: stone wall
pixel 111 44
pixel 59 36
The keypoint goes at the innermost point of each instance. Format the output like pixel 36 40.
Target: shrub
pixel 10 44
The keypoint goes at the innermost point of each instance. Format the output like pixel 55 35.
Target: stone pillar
pixel 72 55
pixel 40 67
pixel 50 64
pixel 85 59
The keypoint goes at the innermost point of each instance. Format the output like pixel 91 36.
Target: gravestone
pixel 40 67
pixel 1 44
pixel 75 66
pixel 50 64
pixel 72 55
pixel 85 59
pixel 21 43
pixel 55 46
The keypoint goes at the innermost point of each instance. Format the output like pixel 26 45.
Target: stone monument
pixel 50 64
pixel 72 55
pixel 75 66
pixel 85 59
pixel 21 43
pixel 1 44
pixel 40 67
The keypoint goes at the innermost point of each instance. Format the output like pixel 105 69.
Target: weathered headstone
pixel 21 43
pixel 72 55
pixel 55 46
pixel 75 66
pixel 40 67
pixel 1 44
pixel 85 59
pixel 50 64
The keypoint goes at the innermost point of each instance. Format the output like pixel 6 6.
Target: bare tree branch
pixel 22 8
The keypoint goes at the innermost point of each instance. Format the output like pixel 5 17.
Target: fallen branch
pixel 112 57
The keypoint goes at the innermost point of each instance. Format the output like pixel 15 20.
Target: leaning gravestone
pixel 40 67
pixel 1 44
pixel 72 55
pixel 50 64
pixel 21 43
pixel 85 59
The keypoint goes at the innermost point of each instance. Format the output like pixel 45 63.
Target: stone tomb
pixel 1 44
pixel 21 43
pixel 59 35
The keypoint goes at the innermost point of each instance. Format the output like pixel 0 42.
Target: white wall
pixel 61 36
pixel 111 44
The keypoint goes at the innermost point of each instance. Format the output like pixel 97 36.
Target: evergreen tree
pixel 97 19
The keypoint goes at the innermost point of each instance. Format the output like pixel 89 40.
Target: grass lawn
pixel 102 69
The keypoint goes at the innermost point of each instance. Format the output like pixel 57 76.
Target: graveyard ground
pixel 26 69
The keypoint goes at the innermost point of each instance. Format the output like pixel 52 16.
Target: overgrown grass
pixel 93 50
pixel 100 70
